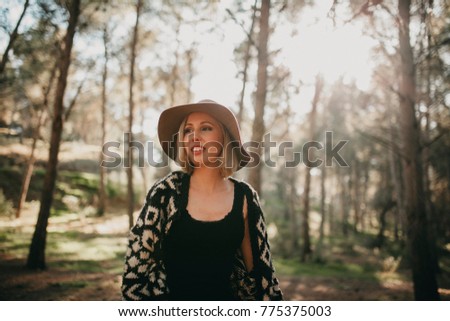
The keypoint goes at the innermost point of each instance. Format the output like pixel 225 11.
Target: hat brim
pixel 171 118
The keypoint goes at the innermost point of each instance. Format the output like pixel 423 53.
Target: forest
pixel 348 102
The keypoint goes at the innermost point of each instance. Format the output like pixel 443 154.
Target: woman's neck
pixel 208 180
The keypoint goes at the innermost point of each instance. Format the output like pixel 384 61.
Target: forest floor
pixel 85 253
pixel 85 258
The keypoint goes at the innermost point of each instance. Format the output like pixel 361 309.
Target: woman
pixel 201 234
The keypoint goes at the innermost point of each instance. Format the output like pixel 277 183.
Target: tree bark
pixel 387 203
pixel 240 115
pixel 36 256
pixel 36 133
pixel 258 129
pixel 306 250
pixel 424 277
pixel 30 166
pixel 174 72
pixel 129 151
pixel 395 178
pixel 13 38
pixel 427 74
pixel 318 250
pixel 379 241
pixel 364 195
pixel 356 194
pixel 190 54
pixel 101 190
pixel 291 199
pixel 343 194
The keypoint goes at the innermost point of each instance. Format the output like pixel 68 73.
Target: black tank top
pixel 198 255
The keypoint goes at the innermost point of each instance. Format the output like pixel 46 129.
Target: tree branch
pixel 74 100
pixel 436 138
pixel 387 84
pixel 13 38
pixel 241 24
pixel 383 142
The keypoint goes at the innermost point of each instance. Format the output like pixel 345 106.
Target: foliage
pixel 74 190
pixel 6 206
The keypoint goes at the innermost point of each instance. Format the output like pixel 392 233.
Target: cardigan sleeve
pixel 260 283
pixel 144 276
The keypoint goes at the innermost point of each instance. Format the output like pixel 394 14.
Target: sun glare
pixel 313 46
pixel 332 52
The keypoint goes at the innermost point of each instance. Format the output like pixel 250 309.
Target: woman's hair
pixel 229 161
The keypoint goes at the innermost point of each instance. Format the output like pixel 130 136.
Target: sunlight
pixel 334 53
pixel 216 77
pixel 311 47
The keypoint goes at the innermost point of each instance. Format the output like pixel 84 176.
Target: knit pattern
pixel 144 276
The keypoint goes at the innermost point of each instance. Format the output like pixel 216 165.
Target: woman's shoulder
pixel 246 186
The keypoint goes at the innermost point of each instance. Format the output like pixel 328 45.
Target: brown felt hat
pixel 171 119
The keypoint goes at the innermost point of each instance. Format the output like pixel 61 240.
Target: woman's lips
pixel 197 150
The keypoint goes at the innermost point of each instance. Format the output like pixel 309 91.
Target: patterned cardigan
pixel 144 275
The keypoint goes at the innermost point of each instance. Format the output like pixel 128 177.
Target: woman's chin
pixel 201 162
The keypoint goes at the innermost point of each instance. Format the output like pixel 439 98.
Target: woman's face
pixel 204 138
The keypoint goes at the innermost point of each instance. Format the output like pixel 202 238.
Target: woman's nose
pixel 194 137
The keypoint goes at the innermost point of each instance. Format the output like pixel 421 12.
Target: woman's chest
pixel 210 207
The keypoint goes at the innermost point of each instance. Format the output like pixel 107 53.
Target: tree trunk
pixel 364 195
pixel 344 201
pixel 308 158
pixel 240 115
pixel 261 91
pixel 424 277
pixel 356 198
pixel 36 256
pixel 13 38
pixel 174 71
pixel 387 204
pixel 30 165
pixel 101 190
pixel 36 133
pixel 129 151
pixel 190 54
pixel 291 198
pixel 395 181
pixel 318 251
pixel 323 196
pixel 432 217
pixel 143 102
pixel 379 242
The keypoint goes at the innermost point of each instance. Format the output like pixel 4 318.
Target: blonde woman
pixel 201 234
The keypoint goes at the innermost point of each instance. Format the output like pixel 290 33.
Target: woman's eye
pixel 187 130
pixel 206 128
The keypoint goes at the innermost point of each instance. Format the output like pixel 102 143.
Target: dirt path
pixel 68 279
pixel 18 283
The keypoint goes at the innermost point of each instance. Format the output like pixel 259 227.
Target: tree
pixel 249 43
pixel 41 118
pixel 36 255
pixel 261 91
pixel 101 189
pixel 129 151
pixel 306 250
pixel 13 38
pixel 424 277
pixel 37 49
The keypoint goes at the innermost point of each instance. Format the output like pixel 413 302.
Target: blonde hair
pixel 229 159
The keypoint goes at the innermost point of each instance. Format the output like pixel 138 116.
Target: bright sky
pixel 316 47
pixel 312 46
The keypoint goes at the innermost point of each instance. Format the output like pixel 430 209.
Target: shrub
pixel 6 206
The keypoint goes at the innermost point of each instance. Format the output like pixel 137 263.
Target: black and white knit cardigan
pixel 144 275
